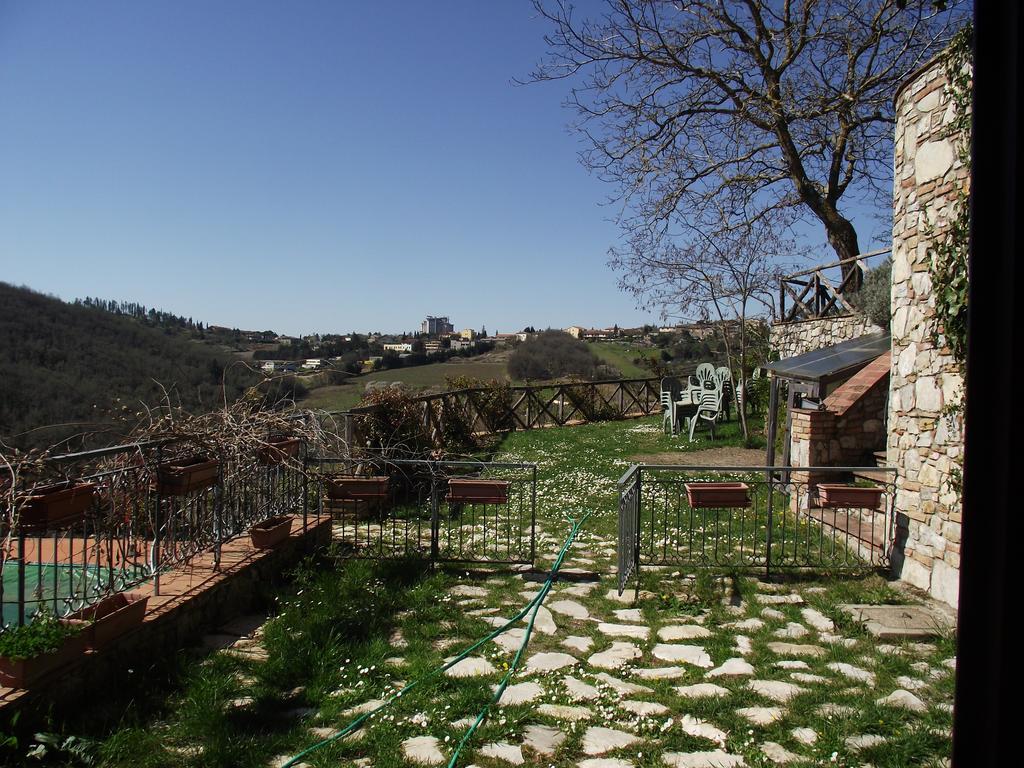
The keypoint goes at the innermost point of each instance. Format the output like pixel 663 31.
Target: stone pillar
pixel 925 445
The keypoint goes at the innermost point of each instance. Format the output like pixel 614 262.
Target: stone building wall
pixel 922 442
pixel 791 339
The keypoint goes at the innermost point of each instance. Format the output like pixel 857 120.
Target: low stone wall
pixel 926 445
pixel 791 339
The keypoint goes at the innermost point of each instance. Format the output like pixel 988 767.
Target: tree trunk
pixel 843 239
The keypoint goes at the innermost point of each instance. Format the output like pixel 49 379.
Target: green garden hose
pixel 533 605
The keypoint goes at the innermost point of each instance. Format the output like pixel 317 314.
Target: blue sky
pixel 304 166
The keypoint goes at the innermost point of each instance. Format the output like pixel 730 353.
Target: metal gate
pixel 829 518
pixel 444 511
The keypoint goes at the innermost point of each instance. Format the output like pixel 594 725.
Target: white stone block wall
pixel 925 445
pixel 791 339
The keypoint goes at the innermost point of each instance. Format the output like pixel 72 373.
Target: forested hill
pixel 73 364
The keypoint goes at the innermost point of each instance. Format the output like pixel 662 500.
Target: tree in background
pixel 552 354
pixel 728 277
pixel 759 105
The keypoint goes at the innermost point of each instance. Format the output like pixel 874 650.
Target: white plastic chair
pixel 708 410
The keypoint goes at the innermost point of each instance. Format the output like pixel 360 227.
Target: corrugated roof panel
pixel 830 363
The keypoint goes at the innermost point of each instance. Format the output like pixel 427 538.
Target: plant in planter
pixel 479 491
pixel 278 449
pixel 186 475
pixel 57 504
pixel 717 495
pixel 30 651
pixel 111 617
pixel 849 496
pixel 271 531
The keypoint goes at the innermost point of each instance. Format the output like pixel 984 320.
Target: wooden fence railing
pixel 505 409
pixel 823 291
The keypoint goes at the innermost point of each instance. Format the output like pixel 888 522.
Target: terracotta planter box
pixel 24 672
pixel 177 478
pixel 851 496
pixel 279 450
pixel 352 488
pixel 717 495
pixel 112 617
pixel 270 532
pixel 54 505
pixel 478 491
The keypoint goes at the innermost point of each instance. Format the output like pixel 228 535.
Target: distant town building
pixel 463 343
pixel 575 331
pixel 435 326
pixel 311 364
pixel 398 347
pixel 467 333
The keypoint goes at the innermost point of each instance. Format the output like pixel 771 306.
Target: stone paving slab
pixel 899 622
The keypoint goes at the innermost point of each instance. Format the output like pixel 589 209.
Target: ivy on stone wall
pixel 949 275
pixel 949 255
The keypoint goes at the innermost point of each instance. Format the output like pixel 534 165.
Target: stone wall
pixel 924 444
pixel 791 339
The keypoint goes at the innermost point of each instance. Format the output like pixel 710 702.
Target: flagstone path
pixel 775 676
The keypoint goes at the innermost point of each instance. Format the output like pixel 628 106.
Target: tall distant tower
pixel 436 326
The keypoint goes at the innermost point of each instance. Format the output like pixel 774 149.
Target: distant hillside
pixel 67 364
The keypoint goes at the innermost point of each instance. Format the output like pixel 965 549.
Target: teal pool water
pixel 46 582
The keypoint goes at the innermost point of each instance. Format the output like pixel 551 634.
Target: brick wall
pixel 846 430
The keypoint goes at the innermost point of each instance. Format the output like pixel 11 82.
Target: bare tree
pixel 727 274
pixel 770 104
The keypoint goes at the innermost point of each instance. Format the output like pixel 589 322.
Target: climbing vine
pixel 949 255
pixel 949 273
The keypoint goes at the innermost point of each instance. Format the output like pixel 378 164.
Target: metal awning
pixel 835 363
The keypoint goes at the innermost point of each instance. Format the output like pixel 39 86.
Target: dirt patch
pixel 712 457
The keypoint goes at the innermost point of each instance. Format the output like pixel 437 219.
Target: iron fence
pixel 445 511
pixel 813 518
pixel 134 528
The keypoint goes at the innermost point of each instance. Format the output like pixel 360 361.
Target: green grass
pixel 621 354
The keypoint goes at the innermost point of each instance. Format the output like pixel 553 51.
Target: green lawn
pixel 621 354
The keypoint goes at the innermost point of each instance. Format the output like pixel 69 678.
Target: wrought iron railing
pixel 802 518
pixel 445 511
pixel 134 529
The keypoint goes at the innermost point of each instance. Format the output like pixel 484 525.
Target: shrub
pixel 874 297
pixel 44 634
pixel 492 399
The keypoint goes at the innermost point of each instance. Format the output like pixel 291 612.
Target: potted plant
pixel 31 651
pixel 356 488
pixel 477 490
pixel 271 531
pixel 186 475
pixel 56 504
pixel 717 495
pixel 849 496
pixel 111 617
pixel 278 449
